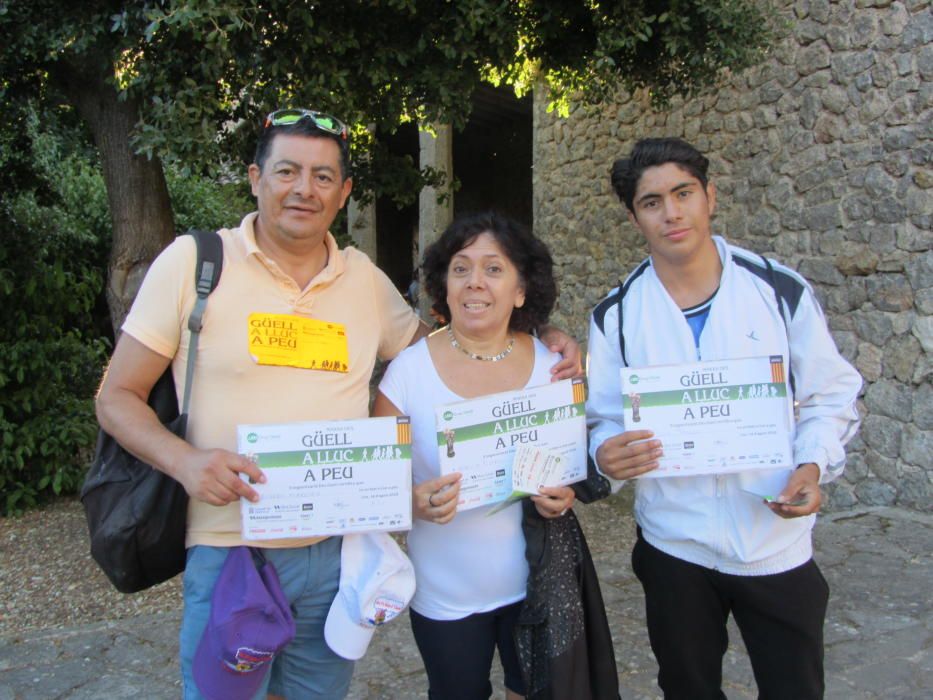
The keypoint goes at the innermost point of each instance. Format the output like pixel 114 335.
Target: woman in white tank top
pixel 493 280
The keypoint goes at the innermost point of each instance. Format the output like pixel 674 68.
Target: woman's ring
pixel 431 501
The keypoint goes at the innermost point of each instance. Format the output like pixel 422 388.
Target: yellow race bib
pixel 293 341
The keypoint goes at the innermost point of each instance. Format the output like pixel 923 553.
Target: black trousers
pixel 780 617
pixel 458 654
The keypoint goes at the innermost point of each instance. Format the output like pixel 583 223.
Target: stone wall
pixel 823 158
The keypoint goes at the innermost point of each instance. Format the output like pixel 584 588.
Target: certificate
pixel 479 437
pixel 712 417
pixel 328 477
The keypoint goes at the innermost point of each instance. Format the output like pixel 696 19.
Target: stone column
pixel 435 215
pixel 361 224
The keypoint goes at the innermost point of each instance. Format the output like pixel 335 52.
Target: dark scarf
pixel 562 635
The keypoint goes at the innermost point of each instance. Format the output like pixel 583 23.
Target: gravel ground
pixel 49 580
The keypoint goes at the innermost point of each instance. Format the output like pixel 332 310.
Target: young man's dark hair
pixel 301 127
pixel 648 153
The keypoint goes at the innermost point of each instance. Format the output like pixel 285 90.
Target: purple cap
pixel 250 623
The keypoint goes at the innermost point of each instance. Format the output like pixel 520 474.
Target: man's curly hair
pixel 529 255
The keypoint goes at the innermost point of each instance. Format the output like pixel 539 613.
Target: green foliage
pixel 54 332
pixel 668 47
pixel 51 349
pixel 378 63
pixel 200 202
pixel 205 73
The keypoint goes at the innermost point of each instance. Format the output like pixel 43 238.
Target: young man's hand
pixel 803 488
pixel 628 455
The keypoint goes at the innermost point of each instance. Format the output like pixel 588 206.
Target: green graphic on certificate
pixel 479 437
pixel 328 477
pixel 712 417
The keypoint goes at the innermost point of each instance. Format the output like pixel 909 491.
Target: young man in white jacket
pixel 706 547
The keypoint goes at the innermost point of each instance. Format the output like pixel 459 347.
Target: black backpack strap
pixel 623 290
pixel 621 334
pixel 206 276
pixel 772 280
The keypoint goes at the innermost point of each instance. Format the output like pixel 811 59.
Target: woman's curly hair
pixel 529 255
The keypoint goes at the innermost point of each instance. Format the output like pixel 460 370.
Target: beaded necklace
pixel 475 356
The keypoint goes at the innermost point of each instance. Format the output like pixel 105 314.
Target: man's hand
pixel 213 476
pixel 557 341
pixel 623 457
pixel 803 487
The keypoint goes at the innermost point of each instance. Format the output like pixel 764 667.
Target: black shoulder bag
pixel 135 513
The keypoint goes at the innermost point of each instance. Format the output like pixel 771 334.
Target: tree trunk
pixel 140 208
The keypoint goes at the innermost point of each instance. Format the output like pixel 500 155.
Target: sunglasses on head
pixel 324 122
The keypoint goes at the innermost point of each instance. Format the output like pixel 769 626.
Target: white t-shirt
pixel 474 563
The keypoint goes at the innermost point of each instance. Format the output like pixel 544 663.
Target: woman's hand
pixel 436 500
pixel 554 501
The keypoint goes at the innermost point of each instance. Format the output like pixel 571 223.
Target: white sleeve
pixel 826 389
pixel 604 402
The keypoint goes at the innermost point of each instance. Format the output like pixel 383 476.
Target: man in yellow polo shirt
pixel 281 260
